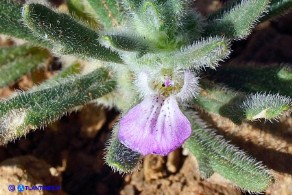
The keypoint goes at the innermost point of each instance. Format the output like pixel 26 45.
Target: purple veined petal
pixel 136 127
pixel 172 128
pixel 154 126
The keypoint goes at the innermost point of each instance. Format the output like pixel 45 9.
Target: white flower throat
pixel 167 85
pixel 182 84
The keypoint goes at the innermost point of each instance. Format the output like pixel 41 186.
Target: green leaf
pixel 19 60
pixel 108 12
pixel 226 159
pixel 266 106
pixel 237 20
pixel 220 100
pixel 202 54
pixel 66 35
pixel 132 5
pixel 126 42
pixel 255 78
pixel 8 54
pixel 11 22
pixel 40 106
pixel 277 8
pixel 82 10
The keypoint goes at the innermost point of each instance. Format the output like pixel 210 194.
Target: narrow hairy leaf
pixel 8 54
pixel 119 157
pixel 206 53
pixel 125 42
pixel 152 15
pixel 236 21
pixel 148 22
pixel 66 35
pixel 191 26
pixel 199 55
pixel 131 5
pixel 220 100
pixel 226 159
pixel 25 59
pixel 277 7
pixel 11 22
pixel 198 151
pixel 255 78
pixel 266 106
pixel 38 107
pixel 108 12
pixel 83 11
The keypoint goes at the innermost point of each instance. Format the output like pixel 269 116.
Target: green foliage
pixel 266 106
pixel 131 5
pixel 277 7
pixel 19 60
pixel 198 55
pixel 220 100
pixel 219 156
pixel 11 22
pixel 144 36
pixel 119 157
pixel 37 108
pixel 81 9
pixel 66 35
pixel 255 78
pixel 236 20
pixel 126 43
pixel 107 11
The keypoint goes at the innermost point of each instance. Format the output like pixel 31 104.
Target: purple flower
pixel 157 125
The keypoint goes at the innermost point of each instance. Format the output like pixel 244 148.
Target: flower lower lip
pixel 155 126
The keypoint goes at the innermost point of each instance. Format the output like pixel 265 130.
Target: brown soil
pixel 70 151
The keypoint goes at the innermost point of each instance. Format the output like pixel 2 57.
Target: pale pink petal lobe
pixel 172 128
pixel 137 126
pixel 154 126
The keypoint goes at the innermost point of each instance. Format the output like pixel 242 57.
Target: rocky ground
pixel 69 153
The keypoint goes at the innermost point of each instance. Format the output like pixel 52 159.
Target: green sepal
pixel 66 35
pixel 226 159
pixel 119 157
